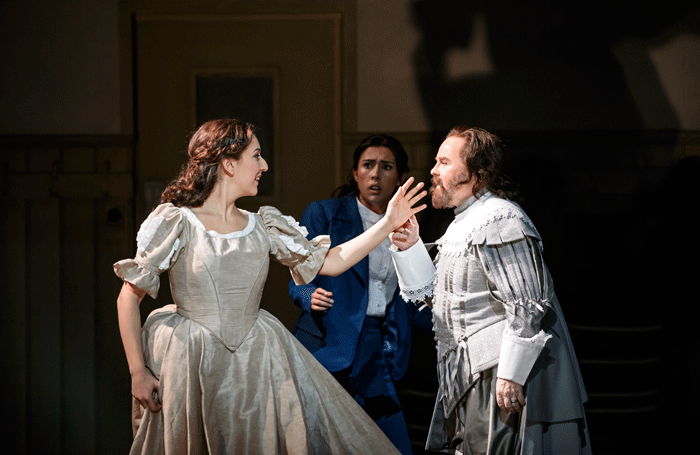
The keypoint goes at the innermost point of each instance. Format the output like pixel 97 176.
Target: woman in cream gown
pixel 214 373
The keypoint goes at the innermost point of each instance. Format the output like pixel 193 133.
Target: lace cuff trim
pixel 415 270
pixel 418 294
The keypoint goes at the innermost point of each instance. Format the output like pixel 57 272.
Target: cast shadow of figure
pixel 541 66
pixel 544 66
pixel 574 68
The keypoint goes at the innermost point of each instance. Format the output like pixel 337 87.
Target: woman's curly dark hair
pixel 214 141
pixel 484 155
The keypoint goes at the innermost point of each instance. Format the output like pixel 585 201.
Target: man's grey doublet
pixel 493 304
pixel 469 315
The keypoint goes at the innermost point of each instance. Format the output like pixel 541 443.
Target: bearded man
pixel 509 378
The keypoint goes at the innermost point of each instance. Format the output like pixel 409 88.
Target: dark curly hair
pixel 214 141
pixel 375 140
pixel 484 156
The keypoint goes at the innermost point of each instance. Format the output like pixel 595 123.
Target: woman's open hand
pixel 401 206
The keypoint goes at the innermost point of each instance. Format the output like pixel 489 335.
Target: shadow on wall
pixel 616 233
pixel 550 65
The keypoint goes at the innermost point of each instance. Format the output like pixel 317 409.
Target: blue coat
pixel 332 336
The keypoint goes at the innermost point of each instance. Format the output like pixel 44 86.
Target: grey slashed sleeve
pixel 517 277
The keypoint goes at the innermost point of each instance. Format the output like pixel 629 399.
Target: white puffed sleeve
pixel 416 272
pixel 290 246
pixel 159 242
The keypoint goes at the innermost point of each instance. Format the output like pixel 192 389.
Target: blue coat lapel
pixel 348 225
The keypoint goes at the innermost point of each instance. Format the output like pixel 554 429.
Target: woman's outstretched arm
pixel 400 209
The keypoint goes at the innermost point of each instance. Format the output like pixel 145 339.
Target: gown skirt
pixel 268 396
pixel 233 379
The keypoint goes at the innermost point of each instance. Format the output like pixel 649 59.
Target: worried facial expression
pixel 248 169
pixel 377 177
pixel 451 183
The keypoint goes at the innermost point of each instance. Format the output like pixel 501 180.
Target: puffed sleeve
pixel 290 246
pixel 159 242
pixel 509 250
pixel 416 272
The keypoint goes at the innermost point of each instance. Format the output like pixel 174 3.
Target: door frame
pixel 344 11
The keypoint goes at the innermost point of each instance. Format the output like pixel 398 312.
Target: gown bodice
pixel 208 285
pixel 217 279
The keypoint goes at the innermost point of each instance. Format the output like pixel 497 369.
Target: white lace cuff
pixel 415 270
pixel 518 355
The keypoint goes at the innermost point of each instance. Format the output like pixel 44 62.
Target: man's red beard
pixel 439 195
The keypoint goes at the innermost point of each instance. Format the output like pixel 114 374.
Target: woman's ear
pixel 403 178
pixel 228 166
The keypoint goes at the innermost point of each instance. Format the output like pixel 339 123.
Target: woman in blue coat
pixel 356 324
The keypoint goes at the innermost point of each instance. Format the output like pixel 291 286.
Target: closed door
pixel 281 71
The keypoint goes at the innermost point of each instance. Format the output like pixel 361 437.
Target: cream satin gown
pixel 233 379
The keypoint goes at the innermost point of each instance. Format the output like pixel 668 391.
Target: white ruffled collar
pixel 231 235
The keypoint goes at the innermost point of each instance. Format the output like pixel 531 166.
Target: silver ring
pixel 513 401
